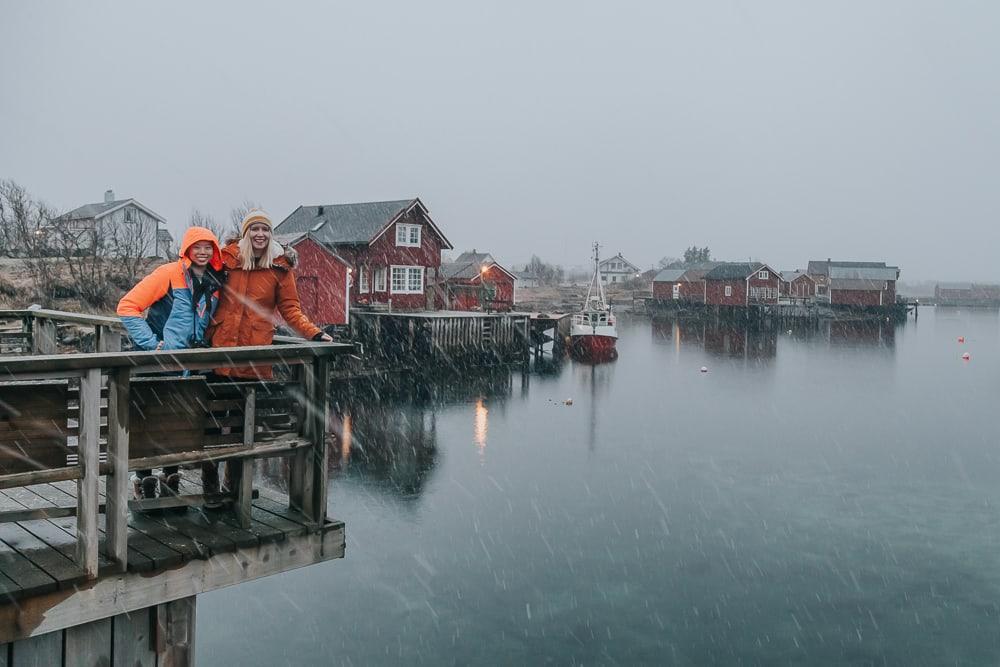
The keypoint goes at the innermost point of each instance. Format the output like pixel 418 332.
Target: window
pixel 763 275
pixel 363 280
pixel 677 291
pixel 729 290
pixel 380 279
pixel 131 215
pixel 407 235
pixel 407 279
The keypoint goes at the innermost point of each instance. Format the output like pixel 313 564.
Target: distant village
pixel 392 255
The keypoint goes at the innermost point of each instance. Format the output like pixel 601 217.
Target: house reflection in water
pixel 759 341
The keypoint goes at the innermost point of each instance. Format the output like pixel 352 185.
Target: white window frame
pixel 379 279
pixel 407 235
pixel 764 275
pixel 130 215
pixel 363 280
pixel 407 273
pixel 729 290
pixel 676 290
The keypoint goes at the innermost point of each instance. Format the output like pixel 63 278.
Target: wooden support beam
pixel 116 547
pixel 108 339
pixel 86 498
pixel 174 640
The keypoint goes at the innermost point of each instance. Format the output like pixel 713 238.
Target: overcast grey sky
pixel 779 130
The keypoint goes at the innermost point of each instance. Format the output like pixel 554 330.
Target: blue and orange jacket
pixel 166 295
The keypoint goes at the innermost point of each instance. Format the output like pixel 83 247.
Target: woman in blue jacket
pixel 179 300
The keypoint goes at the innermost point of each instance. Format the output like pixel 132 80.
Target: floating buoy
pixel 961 339
pixel 568 401
pixel 966 356
pixel 704 369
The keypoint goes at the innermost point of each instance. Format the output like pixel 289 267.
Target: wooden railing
pixel 42 412
pixel 39 330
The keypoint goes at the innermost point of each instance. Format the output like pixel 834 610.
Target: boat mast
pixel 596 280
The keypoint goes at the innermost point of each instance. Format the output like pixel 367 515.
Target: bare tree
pixel 129 245
pixel 26 232
pixel 236 215
pixel 208 221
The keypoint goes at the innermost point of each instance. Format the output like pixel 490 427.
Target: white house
pixel 120 227
pixel 617 269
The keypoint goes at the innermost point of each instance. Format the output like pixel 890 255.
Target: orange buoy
pixel 966 356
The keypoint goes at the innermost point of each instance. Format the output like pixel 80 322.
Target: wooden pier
pixel 87 574
pixel 453 338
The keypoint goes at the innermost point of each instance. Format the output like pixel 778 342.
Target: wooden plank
pixel 55 564
pixel 38 651
pixel 133 639
pixel 178 542
pixel 88 644
pixel 211 539
pixel 116 511
pixel 28 577
pixel 87 500
pixel 43 337
pixel 131 591
pixel 39 477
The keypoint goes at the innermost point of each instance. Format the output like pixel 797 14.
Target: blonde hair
pixel 247 259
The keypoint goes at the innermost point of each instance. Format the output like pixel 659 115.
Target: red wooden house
pixel 393 247
pixel 322 279
pixel 476 281
pixel 684 285
pixel 742 284
pixel 797 284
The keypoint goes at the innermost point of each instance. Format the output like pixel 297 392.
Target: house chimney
pixel 109 196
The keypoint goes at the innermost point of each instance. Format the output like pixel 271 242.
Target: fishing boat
pixel 593 333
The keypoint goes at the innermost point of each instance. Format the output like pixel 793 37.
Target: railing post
pixel 116 546
pixel 108 340
pixel 87 450
pixel 241 475
pixel 297 463
pixel 319 411
pixel 43 336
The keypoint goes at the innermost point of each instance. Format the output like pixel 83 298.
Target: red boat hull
pixel 593 347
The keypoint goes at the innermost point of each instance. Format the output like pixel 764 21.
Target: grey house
pixel 115 227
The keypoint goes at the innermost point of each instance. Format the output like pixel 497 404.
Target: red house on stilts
pixel 392 247
pixel 476 281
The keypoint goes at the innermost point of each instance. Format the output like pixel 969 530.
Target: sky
pixel 781 131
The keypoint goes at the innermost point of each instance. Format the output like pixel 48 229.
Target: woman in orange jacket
pixel 259 282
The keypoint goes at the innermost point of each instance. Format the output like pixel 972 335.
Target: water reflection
pixel 759 340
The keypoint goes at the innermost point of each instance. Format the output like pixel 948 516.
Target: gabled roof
pixel 863 273
pixel 669 275
pixel 468 266
pixel 734 270
pixel 164 235
pixel 102 209
pixel 352 224
pixel 822 267
pixel 854 284
pixel 292 239
pixel 617 257
pixel 792 276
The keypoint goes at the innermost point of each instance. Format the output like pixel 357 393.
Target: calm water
pixel 824 496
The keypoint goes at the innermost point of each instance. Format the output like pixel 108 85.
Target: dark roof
pixel 733 270
pixel 822 267
pixel 669 275
pixel 468 265
pixel 91 210
pixel 853 284
pixel 345 223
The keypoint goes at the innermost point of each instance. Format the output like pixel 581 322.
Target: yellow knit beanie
pixel 252 216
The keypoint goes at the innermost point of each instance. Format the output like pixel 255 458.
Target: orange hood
pixel 194 235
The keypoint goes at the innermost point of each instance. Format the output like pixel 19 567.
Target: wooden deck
pixel 37 556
